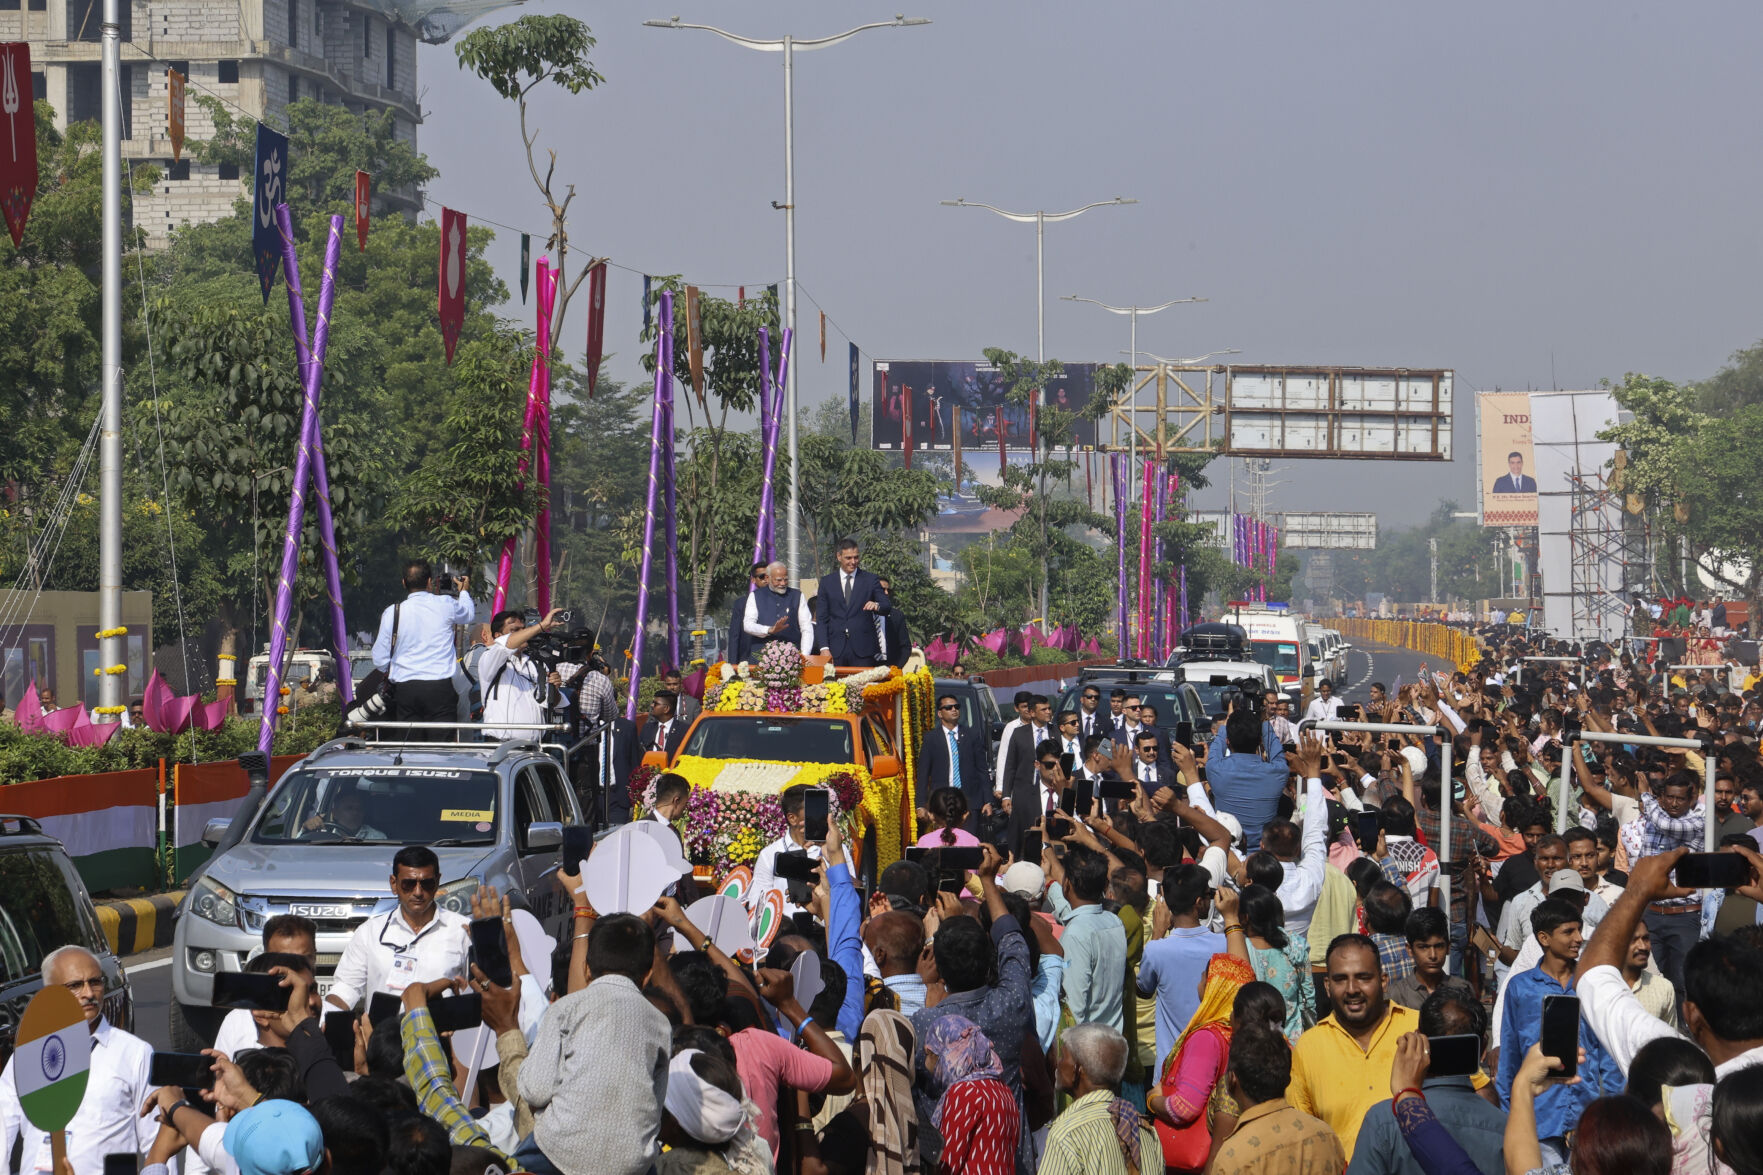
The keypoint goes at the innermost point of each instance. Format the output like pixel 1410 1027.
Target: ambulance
pixel 1277 640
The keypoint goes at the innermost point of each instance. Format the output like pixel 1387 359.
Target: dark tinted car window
pixel 38 913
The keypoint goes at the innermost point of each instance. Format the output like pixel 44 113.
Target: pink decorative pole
pixel 1144 640
pixel 538 416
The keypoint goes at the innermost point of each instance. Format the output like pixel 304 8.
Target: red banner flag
pixel 363 189
pixel 955 439
pixel 174 112
pixel 695 341
pixel 596 323
pixel 452 281
pixel 906 423
pixel 741 297
pixel 18 152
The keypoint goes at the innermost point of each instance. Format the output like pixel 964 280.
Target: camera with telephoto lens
pixel 1246 693
pixel 554 648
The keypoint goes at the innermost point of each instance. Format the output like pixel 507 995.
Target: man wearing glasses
pixel 414 942
pixel 109 1119
pixel 1071 739
pixel 952 757
pixel 1091 720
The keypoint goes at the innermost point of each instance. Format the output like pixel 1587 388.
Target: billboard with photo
pixel 939 387
pixel 1506 475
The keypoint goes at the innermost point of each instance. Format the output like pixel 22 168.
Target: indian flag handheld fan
pixel 53 1051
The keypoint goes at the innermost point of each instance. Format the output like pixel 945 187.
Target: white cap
pixel 1025 878
pixel 1233 824
pixel 1416 759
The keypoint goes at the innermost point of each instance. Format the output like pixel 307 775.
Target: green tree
pixel 1719 486
pixel 849 491
pixel 516 59
pixel 1045 515
pixel 327 145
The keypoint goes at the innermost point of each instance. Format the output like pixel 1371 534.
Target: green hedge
pixel 25 757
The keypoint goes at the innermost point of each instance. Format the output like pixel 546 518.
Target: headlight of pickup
pixel 456 896
pixel 215 902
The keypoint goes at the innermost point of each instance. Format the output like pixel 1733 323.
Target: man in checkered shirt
pixel 1672 819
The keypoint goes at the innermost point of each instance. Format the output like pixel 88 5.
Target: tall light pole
pixel 788 45
pixel 1040 219
pixel 112 650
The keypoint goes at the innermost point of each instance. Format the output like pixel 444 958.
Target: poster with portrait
pixel 1507 475
pixel 980 393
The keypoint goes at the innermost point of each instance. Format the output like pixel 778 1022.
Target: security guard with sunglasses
pixel 414 942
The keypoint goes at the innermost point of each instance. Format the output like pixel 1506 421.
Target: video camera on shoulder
pixel 1245 693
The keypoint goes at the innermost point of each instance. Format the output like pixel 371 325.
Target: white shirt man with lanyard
pixel 109 1120
pixel 414 942
pixel 513 687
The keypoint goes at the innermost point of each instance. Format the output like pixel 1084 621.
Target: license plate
pixel 313 910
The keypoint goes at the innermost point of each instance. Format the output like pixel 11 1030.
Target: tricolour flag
pixel 52 1053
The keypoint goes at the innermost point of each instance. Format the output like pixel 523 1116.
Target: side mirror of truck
pixel 883 766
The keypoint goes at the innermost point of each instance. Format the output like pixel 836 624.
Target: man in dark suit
pixel 664 732
pixel 738 640
pixel 953 757
pixel 1021 767
pixel 1030 798
pixel 1165 739
pixel 1516 480
pixel 849 600
pixel 1092 718
pixel 899 638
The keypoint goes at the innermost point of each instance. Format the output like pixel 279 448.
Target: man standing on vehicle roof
pixel 776 612
pixel 846 630
pixel 414 649
pixel 414 942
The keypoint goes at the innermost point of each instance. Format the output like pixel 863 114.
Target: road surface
pixel 150 972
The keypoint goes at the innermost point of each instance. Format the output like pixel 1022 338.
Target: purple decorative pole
pixel 1117 467
pixel 663 394
pixel 668 492
pixel 314 379
pixel 1159 633
pixel 321 482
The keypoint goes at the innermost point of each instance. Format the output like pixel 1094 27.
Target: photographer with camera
pixel 515 689
pixel 414 649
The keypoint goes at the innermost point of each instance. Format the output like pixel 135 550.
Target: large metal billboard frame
pixel 1300 530
pixel 1357 413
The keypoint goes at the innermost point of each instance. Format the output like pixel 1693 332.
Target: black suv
pixel 1176 702
pixel 44 905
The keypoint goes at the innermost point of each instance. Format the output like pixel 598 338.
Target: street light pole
pixel 1040 219
pixel 787 45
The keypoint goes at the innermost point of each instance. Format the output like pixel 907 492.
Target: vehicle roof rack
pixel 26 826
pixel 336 745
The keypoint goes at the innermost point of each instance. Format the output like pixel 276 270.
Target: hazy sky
pixel 1531 194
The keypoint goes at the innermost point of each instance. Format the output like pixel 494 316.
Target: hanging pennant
pixel 363 209
pixel 823 336
pixel 1003 461
pixel 526 263
pixel 647 309
pixel 18 157
pixel 174 112
pixel 906 423
pixel 955 441
pixel 452 281
pixel 741 297
pixel 695 341
pixel 269 184
pixel 853 393
pixel 596 323
pixel 773 288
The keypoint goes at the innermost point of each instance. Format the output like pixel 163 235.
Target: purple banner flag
pixel 663 393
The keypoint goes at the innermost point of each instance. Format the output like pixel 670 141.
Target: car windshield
pixel 1280 656
pixel 393 805
pixel 1162 695
pixel 38 913
pixel 782 740
pixel 1211 696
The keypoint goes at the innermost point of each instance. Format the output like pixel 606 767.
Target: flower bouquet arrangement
pixel 779 667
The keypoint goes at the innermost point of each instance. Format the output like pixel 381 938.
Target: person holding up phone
pixel 1528 1017
pixel 794 840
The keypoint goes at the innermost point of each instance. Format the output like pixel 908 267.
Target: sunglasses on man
pixel 412 884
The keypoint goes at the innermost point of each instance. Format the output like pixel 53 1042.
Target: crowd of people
pixel 1249 955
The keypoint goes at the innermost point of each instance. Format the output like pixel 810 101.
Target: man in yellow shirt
pixel 1341 1067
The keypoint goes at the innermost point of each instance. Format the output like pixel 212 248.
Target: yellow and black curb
pixel 133 925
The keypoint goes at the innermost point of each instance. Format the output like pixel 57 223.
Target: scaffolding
pixel 1608 561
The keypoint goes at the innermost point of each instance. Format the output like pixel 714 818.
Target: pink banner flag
pixel 29 711
pixel 994 641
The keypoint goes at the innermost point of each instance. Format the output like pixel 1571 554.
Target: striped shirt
pixel 1082 1141
pixel 980 1129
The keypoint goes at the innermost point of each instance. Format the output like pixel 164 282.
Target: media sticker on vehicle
pixel 467 815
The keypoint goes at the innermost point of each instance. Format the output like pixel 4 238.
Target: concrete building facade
pixel 256 55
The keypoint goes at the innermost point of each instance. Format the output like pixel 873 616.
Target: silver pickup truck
pixel 321 842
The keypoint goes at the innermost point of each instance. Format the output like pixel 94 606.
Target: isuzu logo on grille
pixel 313 910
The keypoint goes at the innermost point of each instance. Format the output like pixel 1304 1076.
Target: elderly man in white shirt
pixel 414 648
pixel 414 942
pixel 514 688
pixel 109 1120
